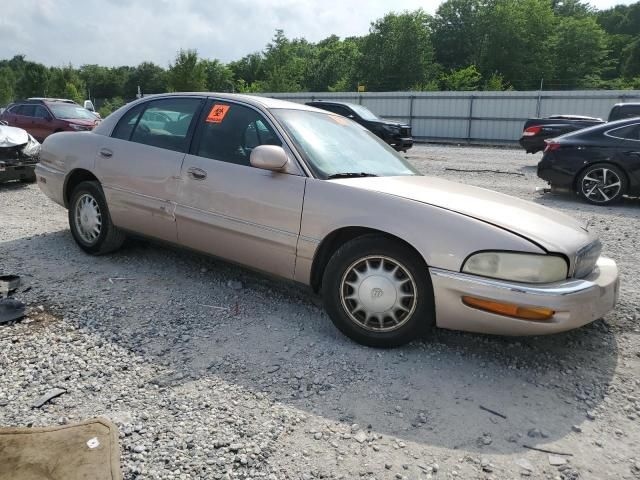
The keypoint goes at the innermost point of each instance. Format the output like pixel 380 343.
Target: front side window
pixel 334 145
pixel 41 112
pixel 229 132
pixel 163 123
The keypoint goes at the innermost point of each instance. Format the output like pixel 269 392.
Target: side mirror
pixel 88 104
pixel 351 116
pixel 269 157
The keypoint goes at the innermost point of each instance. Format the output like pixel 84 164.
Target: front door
pixel 139 165
pixel 230 209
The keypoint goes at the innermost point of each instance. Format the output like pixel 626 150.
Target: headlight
pixel 518 267
pixel 392 128
pixel 77 127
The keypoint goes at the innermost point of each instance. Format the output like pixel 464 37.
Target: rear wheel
pixel 377 291
pixel 90 221
pixel 602 184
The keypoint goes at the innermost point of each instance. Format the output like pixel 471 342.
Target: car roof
pixel 604 127
pixel 332 102
pixel 627 104
pixel 255 100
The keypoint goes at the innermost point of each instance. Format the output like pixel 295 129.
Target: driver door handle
pixel 105 152
pixel 197 173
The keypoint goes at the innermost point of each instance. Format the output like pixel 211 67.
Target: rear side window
pixel 160 123
pixel 631 132
pixel 27 110
pixel 229 132
pixel 127 123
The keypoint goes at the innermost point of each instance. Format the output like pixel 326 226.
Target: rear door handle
pixel 197 173
pixel 105 152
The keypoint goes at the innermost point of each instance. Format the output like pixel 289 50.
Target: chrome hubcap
pixel 378 293
pixel 88 218
pixel 601 185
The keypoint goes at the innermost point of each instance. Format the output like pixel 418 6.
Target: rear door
pixel 628 155
pixel 41 123
pixel 230 209
pixel 139 165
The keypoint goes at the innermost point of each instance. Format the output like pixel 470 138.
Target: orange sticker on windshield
pixel 217 113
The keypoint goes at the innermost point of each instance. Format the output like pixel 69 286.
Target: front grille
pixel 10 153
pixel 405 132
pixel 586 259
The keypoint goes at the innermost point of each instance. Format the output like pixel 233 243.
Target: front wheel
pixel 377 291
pixel 602 184
pixel 90 221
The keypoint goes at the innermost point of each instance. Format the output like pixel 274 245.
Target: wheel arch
pixel 75 177
pixel 334 240
pixel 579 173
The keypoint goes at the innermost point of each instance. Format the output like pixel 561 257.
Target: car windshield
pixel 364 112
pixel 336 146
pixel 71 112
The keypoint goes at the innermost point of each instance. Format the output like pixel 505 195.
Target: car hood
pixel 552 230
pixel 12 136
pixel 391 123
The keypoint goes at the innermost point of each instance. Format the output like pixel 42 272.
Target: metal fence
pixel 482 117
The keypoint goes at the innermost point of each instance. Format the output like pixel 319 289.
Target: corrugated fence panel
pixel 487 117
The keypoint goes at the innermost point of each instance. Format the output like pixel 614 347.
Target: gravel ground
pixel 212 371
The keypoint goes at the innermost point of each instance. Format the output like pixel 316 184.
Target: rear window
pixel 631 132
pixel 624 111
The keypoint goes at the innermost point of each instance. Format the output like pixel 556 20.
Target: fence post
pixel 411 97
pixel 360 99
pixel 470 118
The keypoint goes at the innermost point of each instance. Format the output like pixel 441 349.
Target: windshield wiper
pixel 351 175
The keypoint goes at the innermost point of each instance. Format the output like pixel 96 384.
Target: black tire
pixel 110 237
pixel 597 196
pixel 412 326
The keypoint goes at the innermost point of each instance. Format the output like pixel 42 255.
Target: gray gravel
pixel 212 371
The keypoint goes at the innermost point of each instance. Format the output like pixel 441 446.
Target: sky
pixel 128 32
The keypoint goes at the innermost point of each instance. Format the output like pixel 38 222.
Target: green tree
pixel 218 76
pixel 150 77
pixel 283 64
pixel 578 47
pixel 7 85
pixel 397 53
pixel 515 34
pixel 459 32
pixel 187 73
pixel 463 79
pixel 248 69
pixel 495 83
pixel 631 59
pixel 332 66
pixel 33 80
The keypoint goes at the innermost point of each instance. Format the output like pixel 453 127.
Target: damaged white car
pixel 19 153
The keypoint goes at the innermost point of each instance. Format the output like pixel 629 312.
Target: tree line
pixel 465 45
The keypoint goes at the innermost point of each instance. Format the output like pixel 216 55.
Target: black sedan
pixel 601 163
pixel 398 135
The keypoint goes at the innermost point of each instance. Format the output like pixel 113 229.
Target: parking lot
pixel 212 371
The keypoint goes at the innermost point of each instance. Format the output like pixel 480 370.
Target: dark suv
pixel 42 117
pixel 396 134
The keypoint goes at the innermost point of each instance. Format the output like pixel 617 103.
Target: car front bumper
pixel 16 172
pixel 576 302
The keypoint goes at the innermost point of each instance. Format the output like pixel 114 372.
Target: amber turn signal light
pixel 508 309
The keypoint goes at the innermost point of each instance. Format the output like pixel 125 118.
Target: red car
pixel 42 117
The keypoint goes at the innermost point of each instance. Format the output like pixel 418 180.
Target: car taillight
pixel 551 146
pixel 531 131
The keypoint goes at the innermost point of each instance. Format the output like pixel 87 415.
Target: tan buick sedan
pixel 313 197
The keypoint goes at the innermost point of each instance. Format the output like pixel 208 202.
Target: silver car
pixel 313 197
